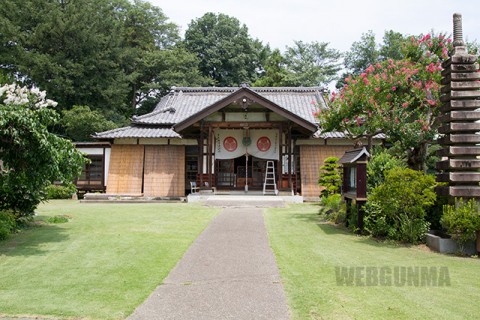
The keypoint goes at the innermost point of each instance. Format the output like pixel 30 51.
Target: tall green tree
pixel 227 53
pixel 275 72
pixel 392 46
pixel 163 69
pixel 367 51
pixel 80 123
pixel 145 33
pixel 109 55
pixel 69 48
pixel 311 64
pixel 362 54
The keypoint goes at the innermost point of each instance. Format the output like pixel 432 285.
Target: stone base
pixel 439 242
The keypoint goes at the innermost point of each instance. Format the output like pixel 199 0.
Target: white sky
pixel 339 22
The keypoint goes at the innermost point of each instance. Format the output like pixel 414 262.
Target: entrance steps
pixel 128 198
pixel 244 200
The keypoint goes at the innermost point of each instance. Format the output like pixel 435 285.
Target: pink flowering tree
pixel 399 98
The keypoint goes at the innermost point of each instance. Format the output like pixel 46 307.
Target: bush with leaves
pixel 32 156
pixel 81 123
pixel 7 223
pixel 396 209
pixel 381 162
pixel 330 177
pixel 333 208
pixel 60 192
pixel 461 220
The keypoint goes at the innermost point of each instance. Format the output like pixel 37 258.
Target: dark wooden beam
pixel 240 124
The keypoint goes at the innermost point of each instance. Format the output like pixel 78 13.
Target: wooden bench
pixel 195 188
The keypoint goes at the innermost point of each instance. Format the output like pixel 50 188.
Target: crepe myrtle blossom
pixel 391 96
pixel 14 94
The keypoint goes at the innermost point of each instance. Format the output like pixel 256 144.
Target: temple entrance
pixel 236 173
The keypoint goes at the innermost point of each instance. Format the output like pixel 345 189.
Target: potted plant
pixel 462 221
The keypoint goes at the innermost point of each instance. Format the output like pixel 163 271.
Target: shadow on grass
pixel 30 241
pixel 326 227
pixel 331 229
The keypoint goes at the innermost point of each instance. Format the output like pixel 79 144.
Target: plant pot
pixel 443 243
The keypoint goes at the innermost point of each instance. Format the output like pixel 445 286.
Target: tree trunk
pixel 134 100
pixel 417 157
pixel 369 143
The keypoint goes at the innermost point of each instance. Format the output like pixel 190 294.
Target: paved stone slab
pixel 229 272
pixel 245 201
pixel 241 199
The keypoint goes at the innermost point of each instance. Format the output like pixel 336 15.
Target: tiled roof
pixel 183 102
pixel 353 155
pixel 340 135
pixel 138 132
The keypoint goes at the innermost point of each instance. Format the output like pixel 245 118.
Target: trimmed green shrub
pixel 381 162
pixel 7 223
pixel 435 212
pixel 330 177
pixel 58 219
pixel 412 230
pixel 461 220
pixel 352 219
pixel 333 208
pixel 375 222
pixel 59 192
pixel 396 209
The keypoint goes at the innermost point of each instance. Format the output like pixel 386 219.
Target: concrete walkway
pixel 229 272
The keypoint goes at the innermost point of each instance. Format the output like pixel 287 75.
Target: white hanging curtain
pixel 264 144
pixel 261 143
pixel 228 144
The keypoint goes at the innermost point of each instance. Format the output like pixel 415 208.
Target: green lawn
pixel 307 252
pixel 101 264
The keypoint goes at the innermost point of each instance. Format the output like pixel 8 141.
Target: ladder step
pixel 270 179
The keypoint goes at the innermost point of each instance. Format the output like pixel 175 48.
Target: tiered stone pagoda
pixel 460 117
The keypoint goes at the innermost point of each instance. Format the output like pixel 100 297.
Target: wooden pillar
pixel 104 159
pixel 201 155
pixel 279 166
pixel 290 155
pixel 210 155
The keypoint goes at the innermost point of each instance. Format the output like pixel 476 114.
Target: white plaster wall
pixel 107 163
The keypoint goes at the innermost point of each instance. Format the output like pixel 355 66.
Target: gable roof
pixel 184 102
pixel 306 122
pixel 353 155
pixel 185 105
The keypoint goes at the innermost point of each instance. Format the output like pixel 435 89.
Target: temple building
pixel 222 138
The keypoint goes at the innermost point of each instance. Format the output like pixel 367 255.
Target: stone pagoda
pixel 459 120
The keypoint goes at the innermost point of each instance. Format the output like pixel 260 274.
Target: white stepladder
pixel 270 179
